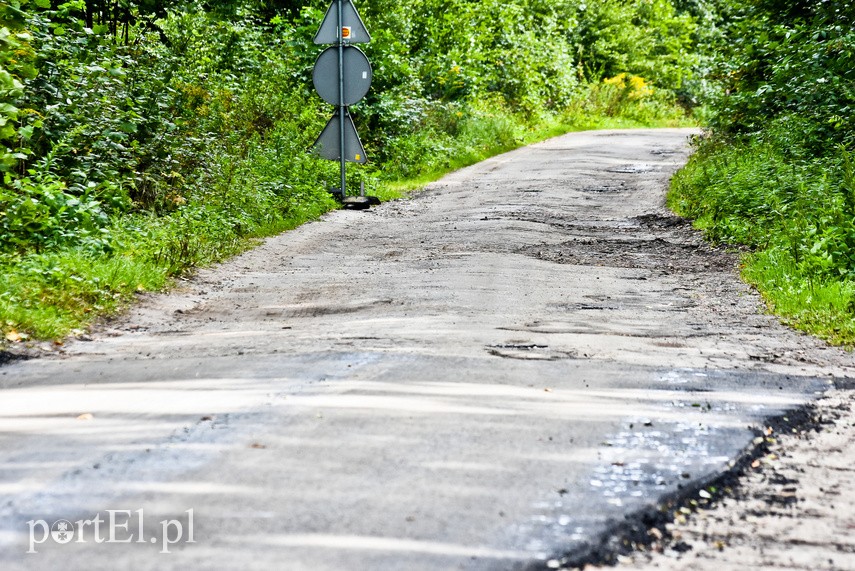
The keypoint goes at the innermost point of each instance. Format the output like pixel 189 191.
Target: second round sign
pixel 356 73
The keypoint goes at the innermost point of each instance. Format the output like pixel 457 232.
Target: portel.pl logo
pixel 117 526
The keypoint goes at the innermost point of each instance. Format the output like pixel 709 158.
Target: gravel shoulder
pixel 788 506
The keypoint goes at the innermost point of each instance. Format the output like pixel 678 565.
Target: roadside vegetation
pixel 776 172
pixel 143 138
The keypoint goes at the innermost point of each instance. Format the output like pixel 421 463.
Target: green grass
pixel 575 120
pixel 822 307
pixel 48 296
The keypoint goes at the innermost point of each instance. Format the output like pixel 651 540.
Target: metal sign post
pixel 342 77
pixel 341 107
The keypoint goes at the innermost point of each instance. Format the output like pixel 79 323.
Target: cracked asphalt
pixel 489 375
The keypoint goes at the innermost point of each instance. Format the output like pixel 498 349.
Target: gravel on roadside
pixel 792 506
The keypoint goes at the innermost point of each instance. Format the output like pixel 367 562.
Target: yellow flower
pixel 637 83
pixel 617 81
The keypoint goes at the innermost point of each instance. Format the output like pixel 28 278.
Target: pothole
pixel 632 169
pixel 654 254
pixel 317 310
pixel 605 188
pixel 7 357
pixel 528 352
pixel 660 221
pixel 590 307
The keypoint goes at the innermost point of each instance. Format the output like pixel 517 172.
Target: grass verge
pixel 796 213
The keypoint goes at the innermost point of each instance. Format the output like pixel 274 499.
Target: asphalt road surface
pixel 489 375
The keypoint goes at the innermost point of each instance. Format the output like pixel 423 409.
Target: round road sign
pixel 357 75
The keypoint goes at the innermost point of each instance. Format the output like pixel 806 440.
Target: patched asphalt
pixel 490 375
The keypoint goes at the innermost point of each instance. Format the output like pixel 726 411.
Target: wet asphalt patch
pixel 7 357
pixel 648 528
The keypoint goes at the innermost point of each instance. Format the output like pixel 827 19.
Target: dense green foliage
pixel 144 137
pixel 777 173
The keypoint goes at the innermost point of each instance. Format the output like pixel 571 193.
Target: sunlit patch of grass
pixel 822 307
pixel 48 296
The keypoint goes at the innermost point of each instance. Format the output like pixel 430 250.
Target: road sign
pixel 328 33
pixel 342 76
pixel 356 72
pixel 328 145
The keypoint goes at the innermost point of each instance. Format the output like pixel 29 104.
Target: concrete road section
pixel 486 376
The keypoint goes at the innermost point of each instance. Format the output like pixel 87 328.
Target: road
pixel 491 374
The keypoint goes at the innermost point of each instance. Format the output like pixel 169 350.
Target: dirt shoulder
pixel 789 506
